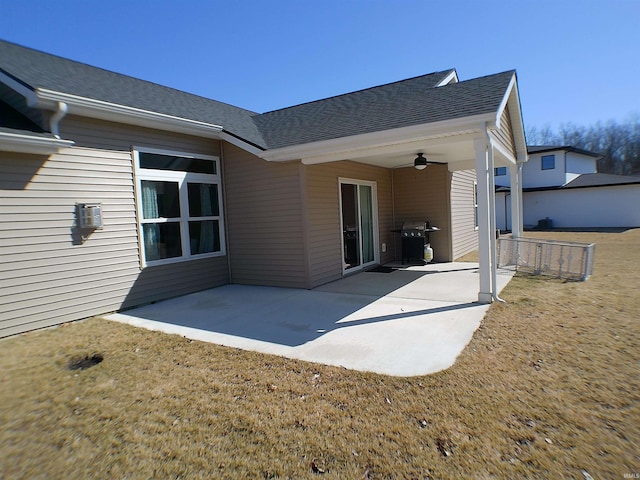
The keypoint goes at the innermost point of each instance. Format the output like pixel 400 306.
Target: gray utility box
pixel 89 215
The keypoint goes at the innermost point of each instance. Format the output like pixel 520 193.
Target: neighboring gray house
pixel 561 188
pixel 187 193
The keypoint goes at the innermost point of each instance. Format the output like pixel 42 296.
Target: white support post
pixel 515 174
pixel 481 147
pixel 493 240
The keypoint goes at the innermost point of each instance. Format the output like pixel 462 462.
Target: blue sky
pixel 577 60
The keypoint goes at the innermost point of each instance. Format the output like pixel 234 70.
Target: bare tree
pixel 618 143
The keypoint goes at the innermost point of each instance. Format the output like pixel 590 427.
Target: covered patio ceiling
pixel 453 143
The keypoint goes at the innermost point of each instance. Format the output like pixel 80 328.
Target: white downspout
pixel 54 121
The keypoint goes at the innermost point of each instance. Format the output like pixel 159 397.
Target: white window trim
pixel 375 220
pixel 140 174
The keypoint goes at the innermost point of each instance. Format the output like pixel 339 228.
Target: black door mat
pixel 381 269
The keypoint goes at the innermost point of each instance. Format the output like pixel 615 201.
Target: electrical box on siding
pixel 89 215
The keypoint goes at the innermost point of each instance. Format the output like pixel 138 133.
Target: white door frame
pixel 374 219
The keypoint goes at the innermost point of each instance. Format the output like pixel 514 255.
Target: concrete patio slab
pixel 408 322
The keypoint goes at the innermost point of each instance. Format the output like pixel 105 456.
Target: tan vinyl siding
pixel 424 194
pixel 264 220
pixel 323 215
pixel 172 280
pixel 464 233
pixel 87 132
pixel 49 273
pixel 504 134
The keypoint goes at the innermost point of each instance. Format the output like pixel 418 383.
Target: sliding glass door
pixel 358 223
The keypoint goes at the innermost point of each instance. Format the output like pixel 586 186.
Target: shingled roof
pixel 35 69
pixel 400 104
pixel 568 148
pixel 405 103
pixel 601 180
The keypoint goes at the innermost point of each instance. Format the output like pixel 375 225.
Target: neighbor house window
pixel 548 162
pixel 500 171
pixel 179 206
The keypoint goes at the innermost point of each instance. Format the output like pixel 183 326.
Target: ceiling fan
pixel 421 162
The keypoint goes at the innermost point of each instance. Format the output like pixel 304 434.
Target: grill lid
pixel 413 228
pixel 416 225
pixel 416 228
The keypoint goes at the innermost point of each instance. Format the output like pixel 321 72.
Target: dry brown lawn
pixel 549 387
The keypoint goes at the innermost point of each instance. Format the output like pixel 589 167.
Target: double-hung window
pixel 179 199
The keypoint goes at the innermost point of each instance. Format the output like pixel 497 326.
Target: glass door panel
pixel 366 223
pixel 350 226
pixel 358 224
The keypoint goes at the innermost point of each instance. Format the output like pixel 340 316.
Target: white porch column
pixel 515 177
pixel 484 163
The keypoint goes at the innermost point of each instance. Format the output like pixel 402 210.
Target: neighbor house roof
pixel 419 100
pixel 568 148
pixel 585 180
pixel 600 180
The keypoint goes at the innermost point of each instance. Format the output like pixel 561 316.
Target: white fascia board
pixel 367 141
pixel 452 77
pixel 19 88
pixel 247 147
pixel 512 101
pixel 424 144
pixel 25 143
pixel 505 99
pixel 123 114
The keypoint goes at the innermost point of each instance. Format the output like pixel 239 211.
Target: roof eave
pixel 241 143
pixel 330 148
pixel 89 107
pixel 567 148
pixel 23 142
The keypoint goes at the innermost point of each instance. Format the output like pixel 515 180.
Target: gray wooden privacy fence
pixel 569 260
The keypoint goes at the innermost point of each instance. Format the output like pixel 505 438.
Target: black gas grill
pixel 415 234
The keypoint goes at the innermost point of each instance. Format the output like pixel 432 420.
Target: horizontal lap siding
pixel 167 281
pixel 323 215
pixel 157 282
pixel 464 233
pixel 100 134
pixel 264 220
pixel 424 194
pixel 48 273
pixel 505 133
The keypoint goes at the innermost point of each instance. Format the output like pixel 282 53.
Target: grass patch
pixel 547 388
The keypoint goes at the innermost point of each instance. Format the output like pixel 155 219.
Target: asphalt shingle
pixel 400 104
pixel 35 69
pixel 409 102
